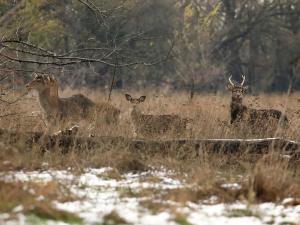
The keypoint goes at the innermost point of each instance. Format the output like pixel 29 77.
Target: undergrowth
pixel 262 177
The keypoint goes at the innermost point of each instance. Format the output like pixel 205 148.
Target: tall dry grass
pixel 266 177
pixel 210 114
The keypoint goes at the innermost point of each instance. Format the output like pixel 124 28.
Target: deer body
pixel 155 124
pixel 240 112
pixel 110 113
pixel 76 106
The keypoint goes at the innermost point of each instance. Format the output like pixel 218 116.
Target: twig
pixel 18 99
pixel 8 91
pixel 9 114
pixel 113 80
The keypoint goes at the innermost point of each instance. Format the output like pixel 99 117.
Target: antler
pixel 45 77
pixel 243 80
pixel 231 81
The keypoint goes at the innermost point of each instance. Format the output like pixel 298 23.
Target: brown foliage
pixel 262 177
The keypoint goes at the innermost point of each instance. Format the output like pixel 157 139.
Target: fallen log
pixel 66 143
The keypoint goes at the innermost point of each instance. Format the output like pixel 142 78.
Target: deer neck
pixel 48 103
pixel 236 103
pixel 136 113
pixel 237 109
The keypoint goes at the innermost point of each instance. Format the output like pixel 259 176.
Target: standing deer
pixel 110 113
pixel 76 106
pixel 239 112
pixel 154 124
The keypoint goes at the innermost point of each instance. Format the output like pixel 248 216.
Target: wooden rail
pixel 180 146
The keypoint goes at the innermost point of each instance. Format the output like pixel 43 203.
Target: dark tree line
pixel 182 45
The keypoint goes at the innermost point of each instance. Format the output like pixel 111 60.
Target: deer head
pixel 237 91
pixel 39 83
pixel 135 101
pixel 135 112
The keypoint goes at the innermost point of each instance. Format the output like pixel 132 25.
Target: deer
pixel 154 124
pixel 76 106
pixel 240 112
pixel 110 113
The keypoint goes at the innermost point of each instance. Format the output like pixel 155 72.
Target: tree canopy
pixel 181 45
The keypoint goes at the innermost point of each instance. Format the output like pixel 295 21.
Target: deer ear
pixel 128 97
pixel 142 98
pixel 45 77
pixel 38 75
pixel 229 87
pixel 52 79
pixel 245 88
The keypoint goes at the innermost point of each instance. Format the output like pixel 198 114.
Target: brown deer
pixel 239 112
pixel 110 113
pixel 154 124
pixel 76 106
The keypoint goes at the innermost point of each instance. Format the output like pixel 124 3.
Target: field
pixel 116 184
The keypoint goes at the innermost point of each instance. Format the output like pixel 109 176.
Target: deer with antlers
pixel 240 112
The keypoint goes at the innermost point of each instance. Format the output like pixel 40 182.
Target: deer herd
pixel 79 107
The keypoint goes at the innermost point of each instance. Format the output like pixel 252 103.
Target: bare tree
pixel 197 66
pixel 52 39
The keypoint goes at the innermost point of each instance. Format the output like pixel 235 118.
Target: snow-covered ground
pixel 101 196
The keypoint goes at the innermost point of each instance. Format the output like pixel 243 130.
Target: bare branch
pixel 18 99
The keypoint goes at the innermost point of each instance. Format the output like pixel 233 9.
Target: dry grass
pixel 262 177
pixel 210 114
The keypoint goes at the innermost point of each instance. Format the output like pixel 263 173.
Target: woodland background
pixel 169 45
pixel 172 51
